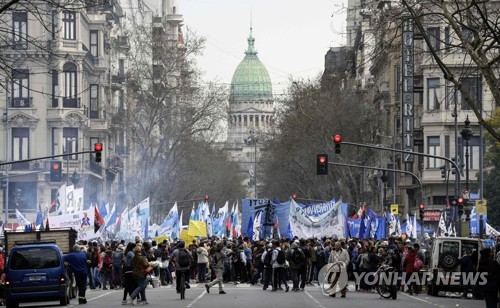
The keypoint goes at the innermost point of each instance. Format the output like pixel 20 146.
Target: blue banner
pixel 353 224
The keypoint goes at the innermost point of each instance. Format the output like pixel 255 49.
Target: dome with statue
pixel 251 81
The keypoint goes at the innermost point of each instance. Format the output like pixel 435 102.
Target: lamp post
pixel 252 139
pixel 467 133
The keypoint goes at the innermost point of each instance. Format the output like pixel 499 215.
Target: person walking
pixel 140 269
pixel 267 257
pixel 487 264
pixel 278 265
pixel 118 259
pixel 217 262
pixel 77 261
pixel 296 259
pixel 409 266
pixel 202 262
pixel 340 256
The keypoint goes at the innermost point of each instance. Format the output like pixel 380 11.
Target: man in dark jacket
pixel 77 261
pixel 217 261
pixel 296 260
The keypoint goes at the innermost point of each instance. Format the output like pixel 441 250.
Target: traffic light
pixel 206 198
pixel 443 171
pixel 337 139
pixel 55 171
pixel 322 164
pixel 460 204
pixel 98 150
pixel 294 196
pixel 422 211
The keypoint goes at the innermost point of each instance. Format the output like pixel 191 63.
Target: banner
pixel 353 225
pixel 330 223
pixel 170 225
pixel 197 228
pixel 82 222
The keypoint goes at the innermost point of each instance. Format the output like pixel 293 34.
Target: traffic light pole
pixel 45 157
pixel 371 146
pixel 384 169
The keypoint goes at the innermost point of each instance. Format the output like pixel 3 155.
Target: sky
pixel 291 36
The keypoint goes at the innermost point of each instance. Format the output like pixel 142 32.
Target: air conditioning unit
pixel 19 103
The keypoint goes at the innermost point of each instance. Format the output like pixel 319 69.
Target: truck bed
pixel 64 238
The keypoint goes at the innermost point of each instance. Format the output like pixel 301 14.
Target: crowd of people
pixel 271 264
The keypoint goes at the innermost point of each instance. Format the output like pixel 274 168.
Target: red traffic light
pixel 98 147
pixel 322 159
pixel 55 166
pixel 422 206
pixel 206 198
pixel 294 196
pixel 460 200
pixel 337 139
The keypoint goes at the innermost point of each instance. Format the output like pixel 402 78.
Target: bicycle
pixel 383 289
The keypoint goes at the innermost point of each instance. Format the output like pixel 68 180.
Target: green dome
pixel 251 81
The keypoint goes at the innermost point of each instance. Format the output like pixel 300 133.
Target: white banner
pixel 74 199
pixel 82 222
pixel 69 201
pixel 331 223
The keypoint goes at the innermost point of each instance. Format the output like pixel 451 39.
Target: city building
pixel 251 113
pixel 62 70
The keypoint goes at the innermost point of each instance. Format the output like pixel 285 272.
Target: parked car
pixel 37 273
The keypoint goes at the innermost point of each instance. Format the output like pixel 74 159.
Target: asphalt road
pixel 254 297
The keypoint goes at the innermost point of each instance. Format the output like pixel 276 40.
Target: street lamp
pixel 467 133
pixel 252 139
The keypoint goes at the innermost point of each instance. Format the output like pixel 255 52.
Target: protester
pixel 77 261
pixel 278 265
pixel 487 264
pixel 140 266
pixel 218 259
pixel 340 256
pixel 202 253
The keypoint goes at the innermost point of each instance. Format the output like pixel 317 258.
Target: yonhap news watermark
pixel 421 278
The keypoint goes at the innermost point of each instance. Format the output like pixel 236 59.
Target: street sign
pixel 481 210
pixel 481 202
pixel 395 209
pixel 466 194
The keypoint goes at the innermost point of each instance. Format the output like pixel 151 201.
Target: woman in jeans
pixel 129 283
pixel 139 264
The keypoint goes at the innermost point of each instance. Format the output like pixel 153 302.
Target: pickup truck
pixel 35 270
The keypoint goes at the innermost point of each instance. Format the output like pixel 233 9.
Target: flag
pixel 391 219
pixel 249 232
pixel 39 217
pixel 146 229
pixel 398 227
pixel 42 227
pixel 103 211
pixel 180 223
pixel 491 231
pixel 236 226
pixel 112 217
pixel 409 226
pixel 193 214
pixel 53 206
pixel 257 226
pixel 170 225
pixel 21 220
pixel 276 228
pixel 47 225
pixel 61 200
pixel 415 235
pixel 442 224
pixel 98 220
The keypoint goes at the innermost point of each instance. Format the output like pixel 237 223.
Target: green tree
pixel 492 175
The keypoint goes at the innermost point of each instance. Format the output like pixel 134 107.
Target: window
pixel 433 94
pixel 121 67
pixel 69 22
pixel 94 43
pixel 70 85
pixel 55 88
pixel 469 36
pixel 447 39
pixel 474 146
pixel 20 88
pixel 434 38
pixel 54 24
pixel 70 136
pixel 450 96
pixel 473 87
pixel 20 29
pixel 433 148
pixel 20 143
pixel 94 101
pixel 34 258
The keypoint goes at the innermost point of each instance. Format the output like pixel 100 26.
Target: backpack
pixel 183 258
pixel 418 264
pixel 281 258
pixel 268 258
pixel 298 256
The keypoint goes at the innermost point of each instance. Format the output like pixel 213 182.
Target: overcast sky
pixel 291 36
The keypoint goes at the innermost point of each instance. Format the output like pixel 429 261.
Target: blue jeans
pixel 94 277
pixel 202 272
pixel 117 276
pixel 141 288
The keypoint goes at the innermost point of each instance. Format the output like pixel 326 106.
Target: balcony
pixel 22 102
pixel 120 78
pixel 175 18
pixel 89 57
pixel 71 102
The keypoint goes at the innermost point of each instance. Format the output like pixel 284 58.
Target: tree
pixel 492 176
pixel 169 118
pixel 307 121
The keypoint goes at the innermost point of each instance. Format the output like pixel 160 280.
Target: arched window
pixel 70 85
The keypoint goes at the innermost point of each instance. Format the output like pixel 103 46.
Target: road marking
pixel 196 299
pixel 419 299
pixel 102 295
pixel 315 300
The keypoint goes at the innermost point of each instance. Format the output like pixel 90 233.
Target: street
pixel 255 297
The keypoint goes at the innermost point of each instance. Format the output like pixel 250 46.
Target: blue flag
pixel 250 228
pixel 39 218
pixel 102 210
pixel 112 218
pixel 289 232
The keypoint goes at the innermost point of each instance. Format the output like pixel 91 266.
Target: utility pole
pixel 6 115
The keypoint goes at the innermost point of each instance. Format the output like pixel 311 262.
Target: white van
pixel 446 253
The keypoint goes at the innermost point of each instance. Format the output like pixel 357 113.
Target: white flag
pixel 415 230
pixel 442 224
pixel 256 226
pixel 409 226
pixel 392 223
pixel 491 231
pixel 21 219
pixel 180 223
